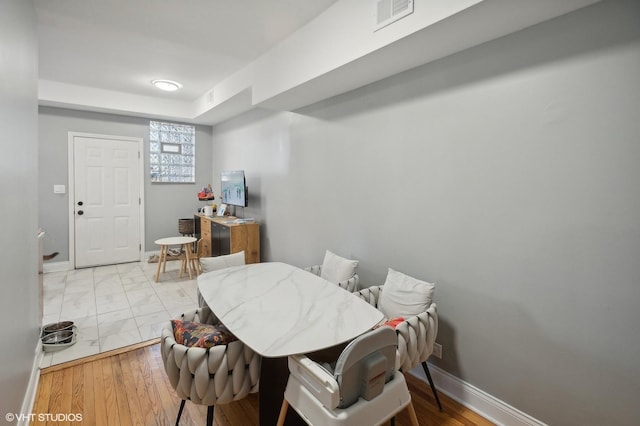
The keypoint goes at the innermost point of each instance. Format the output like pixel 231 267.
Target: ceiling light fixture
pixel 166 85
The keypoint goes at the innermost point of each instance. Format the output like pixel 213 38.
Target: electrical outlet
pixel 437 350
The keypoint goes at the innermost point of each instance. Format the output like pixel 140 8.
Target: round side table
pixel 185 243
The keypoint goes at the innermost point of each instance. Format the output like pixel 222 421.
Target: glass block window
pixel 172 152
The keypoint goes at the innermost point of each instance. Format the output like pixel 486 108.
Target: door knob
pixel 80 212
pixel 80 203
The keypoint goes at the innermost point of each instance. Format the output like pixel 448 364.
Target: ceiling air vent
pixel 389 11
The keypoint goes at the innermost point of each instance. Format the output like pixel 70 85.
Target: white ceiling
pixel 121 45
pixel 234 55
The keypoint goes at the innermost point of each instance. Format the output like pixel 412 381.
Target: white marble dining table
pixel 279 310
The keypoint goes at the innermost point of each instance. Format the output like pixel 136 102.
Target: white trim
pixel 32 388
pixel 70 150
pixel 488 406
pixel 71 198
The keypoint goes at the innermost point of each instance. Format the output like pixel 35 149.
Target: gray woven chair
pixel 351 285
pixel 217 375
pixel 416 336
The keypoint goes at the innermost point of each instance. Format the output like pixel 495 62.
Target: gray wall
pixel 508 174
pixel 19 312
pixel 164 203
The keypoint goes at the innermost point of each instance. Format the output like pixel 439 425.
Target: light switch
pixel 59 189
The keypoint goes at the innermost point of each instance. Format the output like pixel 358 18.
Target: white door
pixel 107 200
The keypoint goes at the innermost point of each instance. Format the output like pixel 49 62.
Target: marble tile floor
pixel 114 306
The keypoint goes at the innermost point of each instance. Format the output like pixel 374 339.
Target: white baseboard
pixel 66 265
pixel 56 266
pixel 32 388
pixel 488 406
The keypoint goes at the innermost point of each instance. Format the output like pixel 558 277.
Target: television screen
pixel 233 188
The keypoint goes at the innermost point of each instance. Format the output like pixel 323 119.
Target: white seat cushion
pixel 404 296
pixel 336 269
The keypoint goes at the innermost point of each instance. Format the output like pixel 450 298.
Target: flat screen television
pixel 234 188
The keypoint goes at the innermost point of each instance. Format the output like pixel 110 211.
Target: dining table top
pixel 279 309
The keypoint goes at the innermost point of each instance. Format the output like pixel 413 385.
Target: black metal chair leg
pixel 210 415
pixel 393 421
pixel 180 411
pixel 433 388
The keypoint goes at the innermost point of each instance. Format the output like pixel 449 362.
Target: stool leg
pixel 283 412
pixel 182 264
pixel 194 267
pixel 187 251
pixel 199 255
pixel 164 259
pixel 160 262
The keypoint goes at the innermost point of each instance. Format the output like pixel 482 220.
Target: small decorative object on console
pixel 206 193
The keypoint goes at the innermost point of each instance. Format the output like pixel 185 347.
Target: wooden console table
pixel 222 235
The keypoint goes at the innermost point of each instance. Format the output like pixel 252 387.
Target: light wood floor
pixel 130 387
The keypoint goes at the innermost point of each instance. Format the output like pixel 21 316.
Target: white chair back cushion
pixel 336 268
pixel 220 262
pixel 404 296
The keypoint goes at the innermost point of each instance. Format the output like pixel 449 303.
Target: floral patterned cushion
pixel 195 334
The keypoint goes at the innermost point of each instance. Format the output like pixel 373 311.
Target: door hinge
pixel 139 201
pixel 140 247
